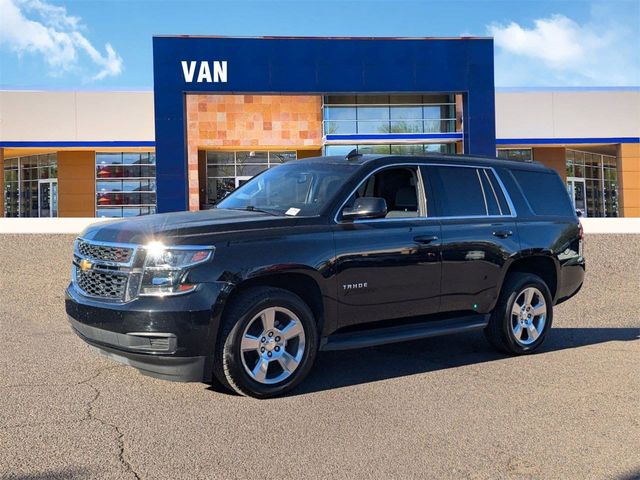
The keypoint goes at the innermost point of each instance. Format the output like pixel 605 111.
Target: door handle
pixel 502 233
pixel 425 239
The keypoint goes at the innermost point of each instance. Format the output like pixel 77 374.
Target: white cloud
pixel 559 51
pixel 38 27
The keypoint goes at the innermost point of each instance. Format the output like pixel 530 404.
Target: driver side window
pixel 398 186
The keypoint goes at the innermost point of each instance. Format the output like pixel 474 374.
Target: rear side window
pixel 466 192
pixel 545 192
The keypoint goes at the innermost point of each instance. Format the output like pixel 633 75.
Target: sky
pixel 106 45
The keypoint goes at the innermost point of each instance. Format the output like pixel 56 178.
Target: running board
pixel 403 333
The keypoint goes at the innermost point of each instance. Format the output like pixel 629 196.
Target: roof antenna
pixel 353 154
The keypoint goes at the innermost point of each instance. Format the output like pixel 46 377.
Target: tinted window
pixel 457 190
pixel 397 186
pixel 545 192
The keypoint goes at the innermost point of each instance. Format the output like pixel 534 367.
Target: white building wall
pixel 128 116
pixel 568 114
pixel 76 116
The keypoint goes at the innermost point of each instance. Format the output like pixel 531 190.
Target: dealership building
pixel 225 109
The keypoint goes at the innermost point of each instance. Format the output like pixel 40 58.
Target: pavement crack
pixel 90 415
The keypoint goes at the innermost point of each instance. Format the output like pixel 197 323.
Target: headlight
pixel 165 268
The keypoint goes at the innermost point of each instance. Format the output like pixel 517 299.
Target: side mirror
pixel 366 207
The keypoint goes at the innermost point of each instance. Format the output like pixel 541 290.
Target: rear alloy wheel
pixel 267 343
pixel 523 315
pixel 528 316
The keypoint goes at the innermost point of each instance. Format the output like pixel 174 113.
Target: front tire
pixel 267 343
pixel 523 315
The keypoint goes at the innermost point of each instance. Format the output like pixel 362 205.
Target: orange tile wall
pixel 629 178
pixel 241 122
pixel 77 183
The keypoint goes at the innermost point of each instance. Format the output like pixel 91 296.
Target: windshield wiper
pixel 251 208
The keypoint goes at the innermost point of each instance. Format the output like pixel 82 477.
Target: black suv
pixel 330 253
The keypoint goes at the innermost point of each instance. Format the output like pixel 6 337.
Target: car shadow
pixel 354 367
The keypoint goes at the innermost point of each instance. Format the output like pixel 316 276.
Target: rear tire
pixel 267 343
pixel 523 315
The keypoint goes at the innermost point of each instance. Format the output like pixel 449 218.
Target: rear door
pixel 478 234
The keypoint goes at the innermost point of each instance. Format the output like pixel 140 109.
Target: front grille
pixel 98 283
pixel 104 252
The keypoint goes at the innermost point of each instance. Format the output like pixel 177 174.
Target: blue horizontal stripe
pixel 569 89
pixel 78 144
pixel 396 136
pixel 539 141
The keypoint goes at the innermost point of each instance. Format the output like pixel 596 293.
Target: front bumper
pixel 169 337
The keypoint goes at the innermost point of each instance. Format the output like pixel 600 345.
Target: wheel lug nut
pixel 271 334
pixel 262 349
pixel 277 349
pixel 269 353
pixel 263 340
pixel 277 339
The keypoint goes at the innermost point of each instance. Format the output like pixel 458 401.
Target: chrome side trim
pixel 493 190
pixel 505 193
pixel 484 195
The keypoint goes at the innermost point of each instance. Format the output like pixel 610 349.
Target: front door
pixel 577 188
pixel 47 198
pixel 390 267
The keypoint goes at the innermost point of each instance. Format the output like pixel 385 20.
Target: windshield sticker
pixel 292 211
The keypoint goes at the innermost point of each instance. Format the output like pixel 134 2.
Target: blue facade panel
pixel 316 66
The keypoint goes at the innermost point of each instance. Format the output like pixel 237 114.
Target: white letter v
pixel 189 71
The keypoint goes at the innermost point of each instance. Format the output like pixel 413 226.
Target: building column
pixel 552 157
pixel 629 179
pixel 2 199
pixel 76 183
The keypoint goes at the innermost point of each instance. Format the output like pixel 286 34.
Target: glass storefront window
pixel 599 175
pixel 395 114
pixel 518 154
pixel 226 171
pixel 23 176
pixel 125 184
pixel 396 149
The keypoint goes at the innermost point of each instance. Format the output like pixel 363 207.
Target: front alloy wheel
pixel 272 345
pixel 267 342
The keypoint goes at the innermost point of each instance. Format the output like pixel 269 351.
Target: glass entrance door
pixel 47 198
pixel 577 188
pixel 242 180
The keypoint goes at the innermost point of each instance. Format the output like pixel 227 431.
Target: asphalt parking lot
pixel 439 408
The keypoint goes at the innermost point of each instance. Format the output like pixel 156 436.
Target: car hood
pixel 182 227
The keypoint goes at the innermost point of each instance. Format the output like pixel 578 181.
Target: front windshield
pixel 294 188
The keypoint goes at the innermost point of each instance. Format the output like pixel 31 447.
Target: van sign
pixel 207 72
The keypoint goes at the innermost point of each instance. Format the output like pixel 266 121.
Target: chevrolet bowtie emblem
pixel 85 265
